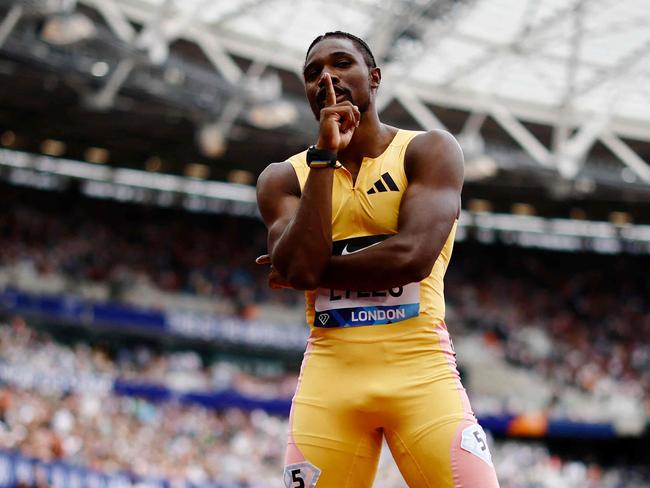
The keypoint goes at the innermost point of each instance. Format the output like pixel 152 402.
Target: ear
pixel 375 78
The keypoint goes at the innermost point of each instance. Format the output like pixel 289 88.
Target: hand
pixel 275 280
pixel 337 120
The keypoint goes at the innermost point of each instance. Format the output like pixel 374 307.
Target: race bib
pixel 346 308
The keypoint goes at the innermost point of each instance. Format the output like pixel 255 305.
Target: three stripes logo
pixel 379 185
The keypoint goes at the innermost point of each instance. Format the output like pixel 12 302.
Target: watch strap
pixel 321 158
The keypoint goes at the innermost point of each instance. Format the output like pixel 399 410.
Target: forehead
pixel 331 45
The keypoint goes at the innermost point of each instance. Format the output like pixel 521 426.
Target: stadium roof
pixel 567 81
pixel 572 64
pixel 584 57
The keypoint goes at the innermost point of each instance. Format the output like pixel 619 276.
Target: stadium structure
pixel 132 133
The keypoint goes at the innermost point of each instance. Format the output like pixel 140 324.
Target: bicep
pixel 427 213
pixel 431 202
pixel 278 196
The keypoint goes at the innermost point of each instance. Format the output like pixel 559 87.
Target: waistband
pixel 414 328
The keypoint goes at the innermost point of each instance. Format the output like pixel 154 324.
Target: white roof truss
pixel 566 64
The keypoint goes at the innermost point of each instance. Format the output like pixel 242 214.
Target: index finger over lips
pixel 330 98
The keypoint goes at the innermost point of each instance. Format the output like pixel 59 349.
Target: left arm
pixel 429 207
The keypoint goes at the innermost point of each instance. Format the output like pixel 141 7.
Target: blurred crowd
pixel 133 247
pixel 176 442
pixel 577 319
pixel 118 434
pixel 529 465
pixel 57 404
pixel 179 442
pixel 33 360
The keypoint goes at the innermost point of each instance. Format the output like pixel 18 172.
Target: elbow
pixel 418 273
pixel 417 267
pixel 300 277
pixel 303 281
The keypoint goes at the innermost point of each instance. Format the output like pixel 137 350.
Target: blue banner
pixel 209 327
pixel 16 469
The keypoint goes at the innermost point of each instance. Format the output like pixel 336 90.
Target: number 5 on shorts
pixel 301 475
pixel 295 476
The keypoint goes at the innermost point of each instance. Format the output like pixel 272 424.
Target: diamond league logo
pixel 323 318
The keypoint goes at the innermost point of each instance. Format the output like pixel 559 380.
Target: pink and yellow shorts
pixel 358 385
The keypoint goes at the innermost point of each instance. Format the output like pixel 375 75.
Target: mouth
pixel 341 95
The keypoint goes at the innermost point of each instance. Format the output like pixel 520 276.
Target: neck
pixel 370 139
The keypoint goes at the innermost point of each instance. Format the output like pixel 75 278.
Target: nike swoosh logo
pixel 345 251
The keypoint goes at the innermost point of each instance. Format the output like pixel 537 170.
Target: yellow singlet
pixel 380 363
pixel 364 213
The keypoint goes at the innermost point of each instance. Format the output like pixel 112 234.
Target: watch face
pixel 321 155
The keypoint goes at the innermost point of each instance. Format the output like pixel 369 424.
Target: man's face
pixel 351 76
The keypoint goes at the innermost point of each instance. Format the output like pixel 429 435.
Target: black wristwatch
pixel 321 158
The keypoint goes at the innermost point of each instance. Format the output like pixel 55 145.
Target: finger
pixel 330 98
pixel 263 259
pixel 355 116
pixel 349 119
pixel 346 115
pixel 346 123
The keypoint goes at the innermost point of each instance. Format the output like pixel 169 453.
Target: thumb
pixel 263 259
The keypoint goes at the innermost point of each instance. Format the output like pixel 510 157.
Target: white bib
pixel 346 308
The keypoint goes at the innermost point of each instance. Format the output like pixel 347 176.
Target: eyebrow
pixel 335 54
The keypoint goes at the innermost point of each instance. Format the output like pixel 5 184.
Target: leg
pixel 325 455
pixel 434 436
pixel 331 444
pixel 453 455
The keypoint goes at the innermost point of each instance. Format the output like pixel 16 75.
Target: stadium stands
pixel 556 313
pixel 61 420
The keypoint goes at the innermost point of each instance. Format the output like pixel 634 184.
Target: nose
pixel 333 75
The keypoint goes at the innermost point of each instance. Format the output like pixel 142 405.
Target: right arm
pixel 299 223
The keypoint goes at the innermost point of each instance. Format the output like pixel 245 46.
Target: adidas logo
pixel 379 185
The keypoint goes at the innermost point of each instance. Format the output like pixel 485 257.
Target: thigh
pixel 433 435
pixel 330 445
pixel 454 454
pixel 327 452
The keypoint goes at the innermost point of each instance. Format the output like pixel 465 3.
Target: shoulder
pixel 278 178
pixel 434 151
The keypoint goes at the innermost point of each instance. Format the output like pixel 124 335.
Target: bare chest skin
pixel 354 160
pixel 353 169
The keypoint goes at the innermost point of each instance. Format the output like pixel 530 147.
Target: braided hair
pixel 368 57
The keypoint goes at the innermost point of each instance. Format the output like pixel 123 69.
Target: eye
pixel 343 63
pixel 311 73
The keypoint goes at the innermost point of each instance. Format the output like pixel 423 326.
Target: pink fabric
pixel 448 349
pixel 469 470
pixel 293 454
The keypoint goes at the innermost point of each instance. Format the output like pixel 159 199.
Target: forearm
pixel 304 248
pixel 392 263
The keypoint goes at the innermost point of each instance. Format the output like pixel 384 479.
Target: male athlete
pixel 364 220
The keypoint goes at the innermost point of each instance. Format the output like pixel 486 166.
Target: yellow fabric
pixel 406 389
pixel 397 380
pixel 356 213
